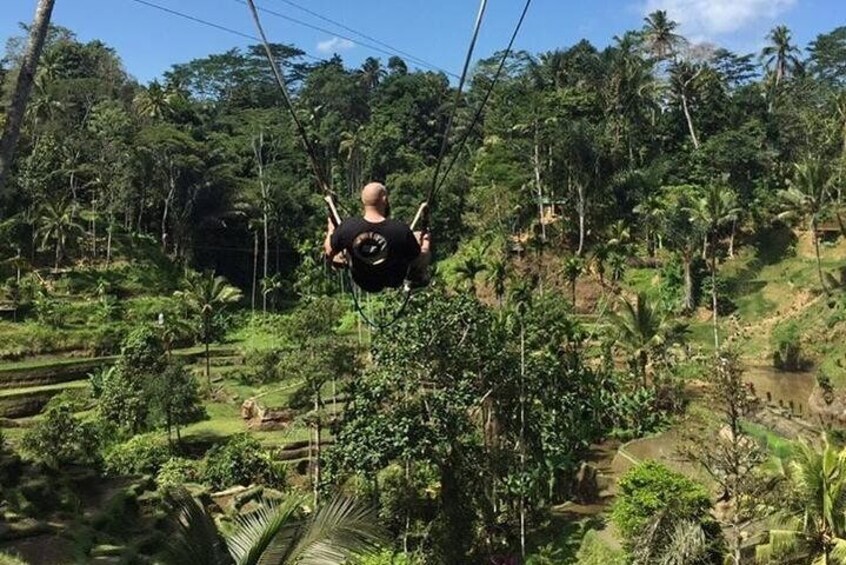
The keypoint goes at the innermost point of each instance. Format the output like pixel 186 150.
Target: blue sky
pixel 149 41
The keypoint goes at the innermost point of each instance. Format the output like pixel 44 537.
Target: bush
pixel 786 341
pixel 649 489
pixel 262 367
pixel 239 461
pixel 177 471
pixel 143 454
pixel 60 439
pixel 108 339
pixel 594 552
pixel 6 559
pixel 633 414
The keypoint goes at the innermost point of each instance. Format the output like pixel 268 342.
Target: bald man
pixel 383 252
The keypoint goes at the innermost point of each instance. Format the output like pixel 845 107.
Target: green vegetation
pixel 639 243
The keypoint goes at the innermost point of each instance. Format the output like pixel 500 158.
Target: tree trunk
pixel 536 164
pixel 317 448
pixel 522 437
pixel 20 96
pixel 731 238
pixel 255 269
pixel 817 252
pixel 714 295
pixel 165 212
pixel 581 211
pixel 109 241
pixel 208 358
pixel 689 122
pixel 688 285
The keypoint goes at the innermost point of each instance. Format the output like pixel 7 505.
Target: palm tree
pixel 806 198
pixel 684 79
pixel 469 267
pixel 273 533
pixel 573 267
pixel 521 298
pixel 57 224
pixel 640 329
pixel 714 210
pixel 20 96
pixel 815 531
pixel 780 55
pixel 371 73
pixel 206 294
pixel 660 36
pixel 497 275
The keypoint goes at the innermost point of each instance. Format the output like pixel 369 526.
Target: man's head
pixel 374 196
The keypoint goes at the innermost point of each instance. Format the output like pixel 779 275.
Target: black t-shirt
pixel 380 252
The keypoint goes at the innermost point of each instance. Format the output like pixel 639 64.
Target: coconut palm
pixel 780 56
pixel 371 73
pixel 714 210
pixel 273 533
pixel 816 531
pixel 659 33
pixel 685 79
pixel 640 328
pixel 806 198
pixel 206 294
pixel 57 224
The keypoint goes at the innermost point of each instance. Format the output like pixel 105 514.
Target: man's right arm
pixel 327 243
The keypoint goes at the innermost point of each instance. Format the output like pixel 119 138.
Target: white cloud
pixel 708 18
pixel 334 45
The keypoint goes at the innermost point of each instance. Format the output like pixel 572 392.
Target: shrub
pixel 262 367
pixel 633 414
pixel 649 489
pixel 142 454
pixel 177 471
pixel 124 398
pixel 239 461
pixel 786 341
pixel 60 439
pixel 108 338
pixel 6 559
pixel 594 551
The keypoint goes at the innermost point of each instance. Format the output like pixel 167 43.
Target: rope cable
pixel 467 60
pixel 280 80
pixel 477 116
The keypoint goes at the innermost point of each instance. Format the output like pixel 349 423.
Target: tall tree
pixel 26 76
pixel 207 294
pixel 781 57
pixel 660 34
pixel 806 198
pixel 714 210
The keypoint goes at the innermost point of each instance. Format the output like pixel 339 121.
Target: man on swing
pixel 380 252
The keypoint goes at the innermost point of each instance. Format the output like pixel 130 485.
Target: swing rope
pixel 434 188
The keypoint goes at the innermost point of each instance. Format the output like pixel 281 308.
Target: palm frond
pixel 340 530
pixel 195 540
pixel 266 533
pixel 785 539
